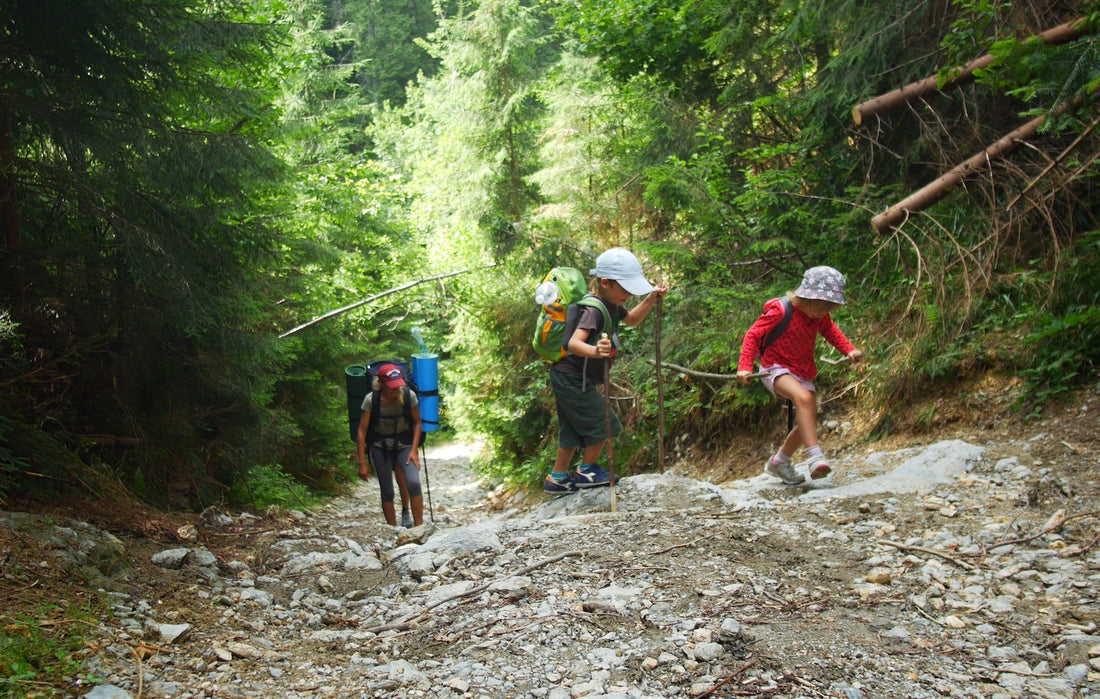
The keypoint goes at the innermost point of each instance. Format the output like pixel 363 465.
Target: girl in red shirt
pixel 789 362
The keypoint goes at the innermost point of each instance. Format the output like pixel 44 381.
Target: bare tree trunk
pixel 891 101
pixel 9 220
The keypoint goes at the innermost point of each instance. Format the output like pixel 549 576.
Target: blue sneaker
pixel 556 487
pixel 592 477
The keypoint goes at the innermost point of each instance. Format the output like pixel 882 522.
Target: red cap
pixel 390 375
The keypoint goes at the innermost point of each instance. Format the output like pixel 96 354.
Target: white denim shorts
pixel 774 372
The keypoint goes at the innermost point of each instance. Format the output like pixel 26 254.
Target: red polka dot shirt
pixel 794 348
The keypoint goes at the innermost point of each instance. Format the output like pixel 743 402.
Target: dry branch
pixel 708 375
pixel 935 190
pixel 931 552
pixel 891 101
pixel 406 624
pixel 683 545
pixel 703 374
pixel 1057 161
pixel 387 292
pixel 726 680
pixel 107 440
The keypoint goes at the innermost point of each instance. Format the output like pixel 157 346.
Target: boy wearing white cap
pixel 575 378
pixel 789 361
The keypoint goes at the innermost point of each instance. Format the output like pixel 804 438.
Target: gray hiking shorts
pixel 581 418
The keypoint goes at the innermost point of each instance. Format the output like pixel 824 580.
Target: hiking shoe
pixel 406 519
pixel 559 487
pixel 818 467
pixel 593 477
pixel 784 472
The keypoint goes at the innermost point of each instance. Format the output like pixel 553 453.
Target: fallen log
pixel 935 190
pixel 892 101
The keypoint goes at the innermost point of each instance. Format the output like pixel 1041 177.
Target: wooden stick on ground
pixel 933 552
pixel 477 590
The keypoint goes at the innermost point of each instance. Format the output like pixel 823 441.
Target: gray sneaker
pixel 784 472
pixel 406 519
pixel 819 468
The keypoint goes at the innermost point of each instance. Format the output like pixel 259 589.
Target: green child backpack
pixel 561 287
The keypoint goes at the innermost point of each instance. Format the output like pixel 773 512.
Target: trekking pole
pixel 427 481
pixel 607 424
pixel 660 395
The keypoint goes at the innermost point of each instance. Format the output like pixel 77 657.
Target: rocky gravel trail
pixel 958 567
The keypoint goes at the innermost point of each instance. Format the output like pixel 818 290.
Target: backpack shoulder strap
pixel 596 302
pixel 408 405
pixel 788 311
pixel 375 406
pixel 573 317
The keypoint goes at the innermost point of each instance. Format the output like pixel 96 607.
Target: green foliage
pixel 40 651
pixel 11 462
pixel 979 23
pixel 386 48
pixel 141 207
pixel 1048 77
pixel 264 486
pixel 1067 355
pixel 1064 341
pixel 633 37
pixel 195 179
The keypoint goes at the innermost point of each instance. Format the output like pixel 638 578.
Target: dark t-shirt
pixel 591 319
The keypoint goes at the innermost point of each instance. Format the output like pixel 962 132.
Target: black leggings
pixel 386 461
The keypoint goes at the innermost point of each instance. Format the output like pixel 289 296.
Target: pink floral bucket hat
pixel 824 283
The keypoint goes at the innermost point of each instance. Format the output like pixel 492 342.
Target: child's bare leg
pixel 565 456
pixel 592 452
pixel 805 431
pixel 805 414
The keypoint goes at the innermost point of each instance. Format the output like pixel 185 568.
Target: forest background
pixel 186 184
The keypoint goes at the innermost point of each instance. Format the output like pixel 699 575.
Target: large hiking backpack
pixel 402 366
pixel 375 387
pixel 561 287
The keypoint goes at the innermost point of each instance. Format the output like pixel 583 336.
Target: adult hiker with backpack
pixel 783 337
pixel 589 342
pixel 390 428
